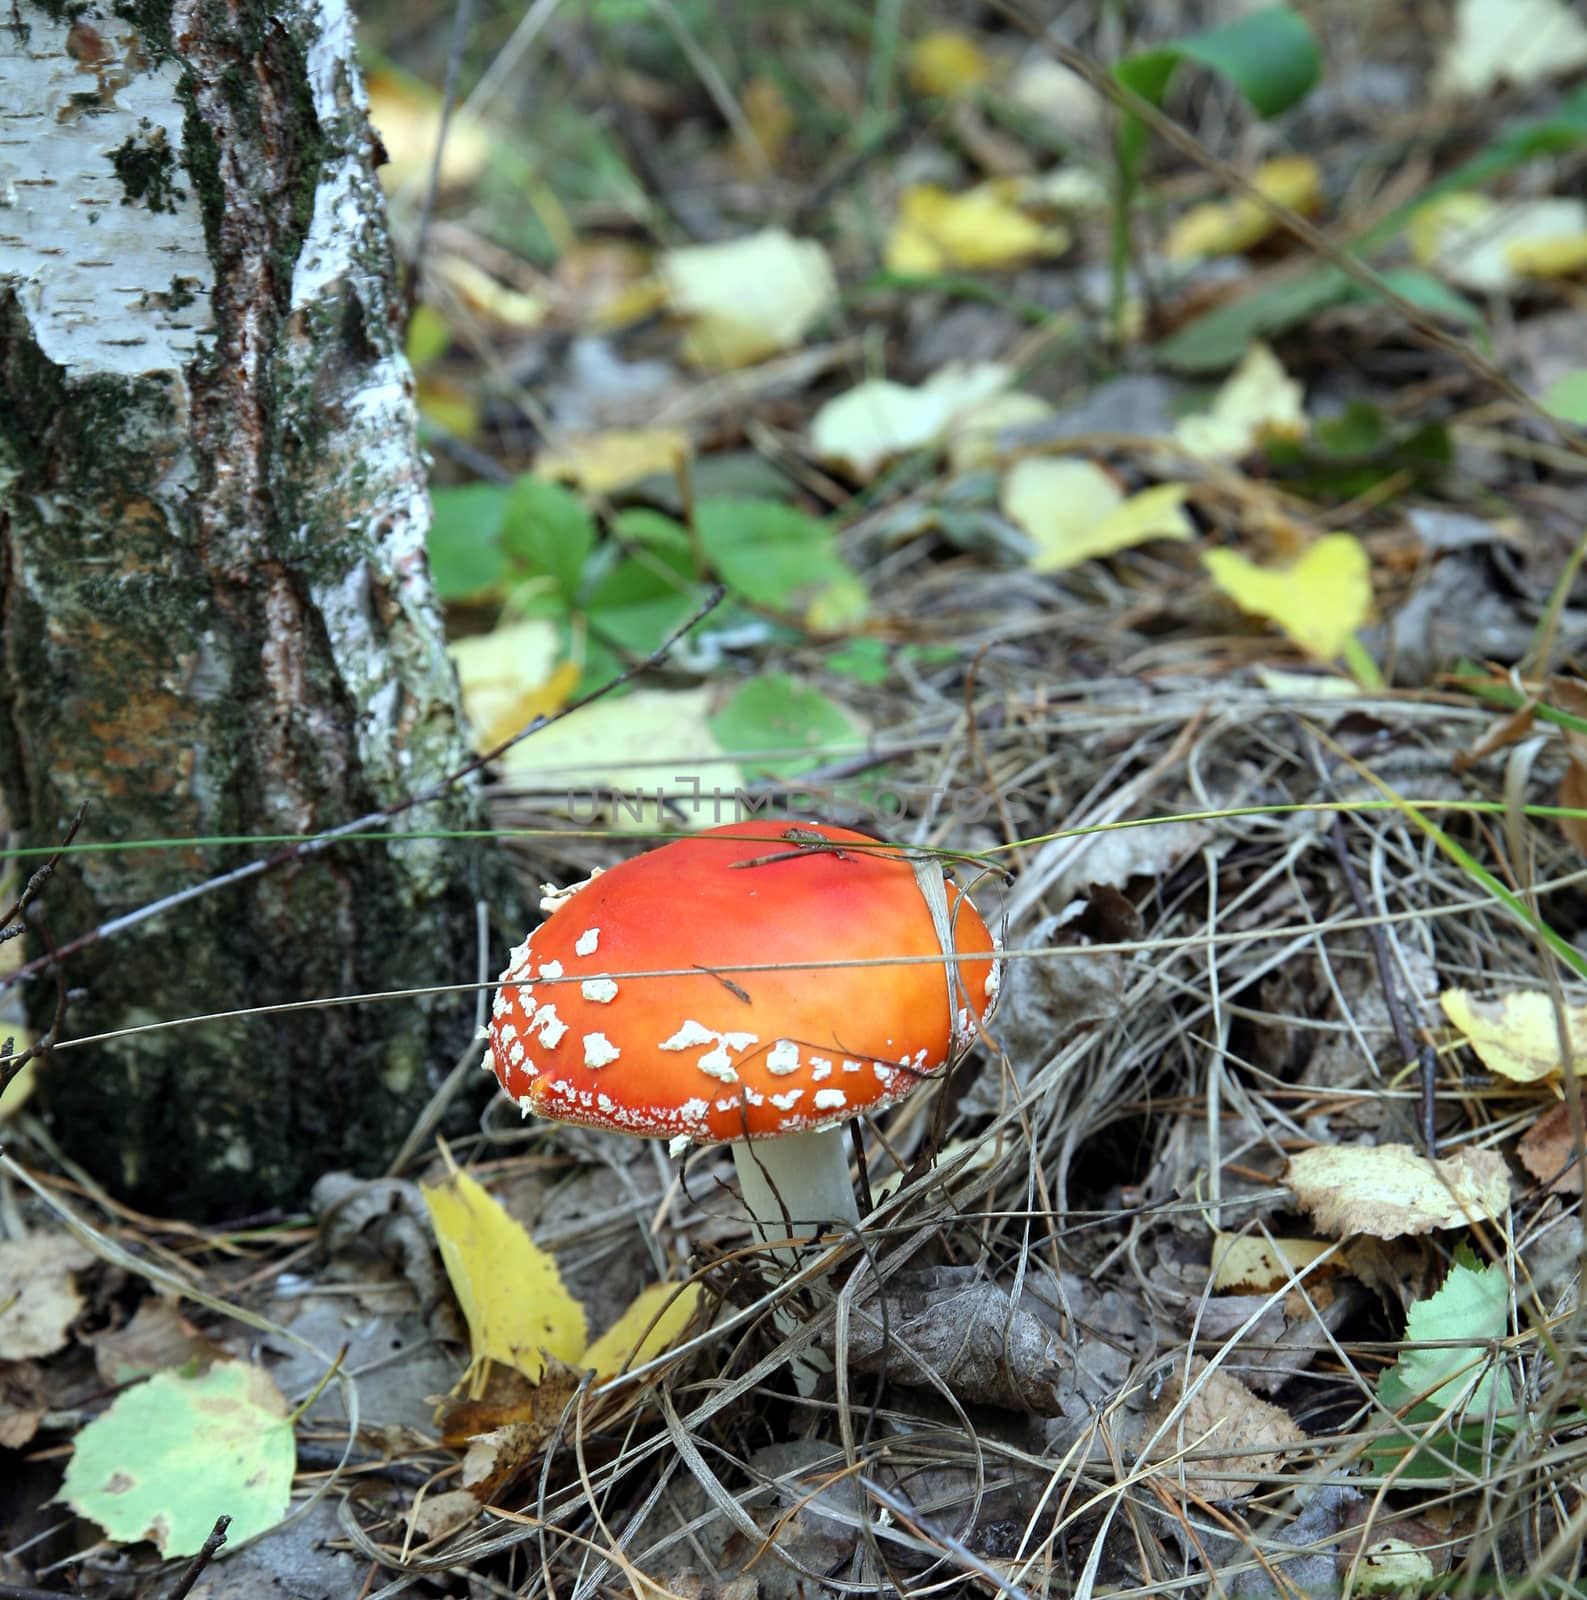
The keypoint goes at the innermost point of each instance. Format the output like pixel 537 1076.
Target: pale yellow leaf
pixel 1516 1035
pixel 1258 399
pixel 604 761
pixel 876 421
pixel 509 677
pixel 631 1341
pixel 517 1307
pixel 749 297
pixel 1073 511
pixel 974 434
pixel 1319 601
pixel 1255 1265
pixel 1225 227
pixel 1390 1190
pixel 451 406
pixel 1491 246
pixel 946 62
pixel 488 296
pixel 939 231
pixel 1058 94
pixel 614 458
pixel 1509 41
pixel 1392 1568
pixel 407 116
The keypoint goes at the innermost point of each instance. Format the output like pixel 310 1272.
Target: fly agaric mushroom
pixel 771 1061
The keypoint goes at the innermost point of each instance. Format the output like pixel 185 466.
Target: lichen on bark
pixel 216 615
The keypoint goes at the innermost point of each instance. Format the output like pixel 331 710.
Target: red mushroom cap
pixel 717 1058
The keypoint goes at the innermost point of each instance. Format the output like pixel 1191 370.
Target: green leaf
pixel 428 337
pixel 177 1451
pixel 466 556
pixel 1269 56
pixel 548 531
pixel 777 713
pixel 1566 397
pixel 1469 1311
pixel 863 659
pixel 1221 337
pixel 641 600
pixel 767 551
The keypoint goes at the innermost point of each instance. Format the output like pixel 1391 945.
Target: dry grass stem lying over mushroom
pixel 772 1062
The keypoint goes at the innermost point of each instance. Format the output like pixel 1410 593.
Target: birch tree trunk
pixel 214 604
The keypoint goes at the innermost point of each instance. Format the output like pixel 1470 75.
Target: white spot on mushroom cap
pixel 678 1145
pixel 783 1058
pixel 550 969
pixel 599 1051
pixel 787 1100
pixel 689 1034
pixel 717 1063
pixel 994 978
pixel 830 1100
pixel 553 898
pixel 525 1105
pixel 820 1068
pixel 693 1110
pixel 601 990
pixel 551 1027
pixel 586 942
pixel 852 1066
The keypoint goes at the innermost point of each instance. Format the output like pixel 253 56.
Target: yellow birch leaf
pixel 1391 1190
pixel 510 676
pixel 749 297
pixel 1258 399
pixel 1073 511
pixel 1319 601
pixel 632 1340
pixel 1226 227
pixel 489 296
pixel 450 406
pixel 1515 1035
pixel 937 231
pixel 518 1309
pixel 407 116
pixel 973 437
pixel 1256 1265
pixel 946 62
pixel 603 462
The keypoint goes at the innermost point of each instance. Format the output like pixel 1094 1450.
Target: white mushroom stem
pixel 797 1183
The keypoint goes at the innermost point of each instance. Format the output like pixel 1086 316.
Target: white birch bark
pixel 216 613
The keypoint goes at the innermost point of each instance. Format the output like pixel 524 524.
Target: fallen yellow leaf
pixel 517 1307
pixel 603 760
pixel 651 1324
pixel 510 676
pixel 1491 245
pixel 937 230
pixel 489 297
pixel 1256 1265
pixel 1319 600
pixel 1516 1035
pixel 973 436
pixel 946 62
pixel 1257 400
pixel 407 116
pixel 1074 510
pixel 603 462
pixel 1389 1190
pixel 1226 227
pixel 748 298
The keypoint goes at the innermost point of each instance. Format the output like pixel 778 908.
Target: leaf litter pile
pixel 1164 498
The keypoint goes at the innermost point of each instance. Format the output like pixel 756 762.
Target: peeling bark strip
pixel 214 608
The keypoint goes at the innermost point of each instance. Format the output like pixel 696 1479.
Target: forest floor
pixel 1173 507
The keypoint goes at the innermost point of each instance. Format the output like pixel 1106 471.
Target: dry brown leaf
pixel 1253 1263
pixel 1390 1190
pixel 1224 1433
pixel 1548 1151
pixel 38 1300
